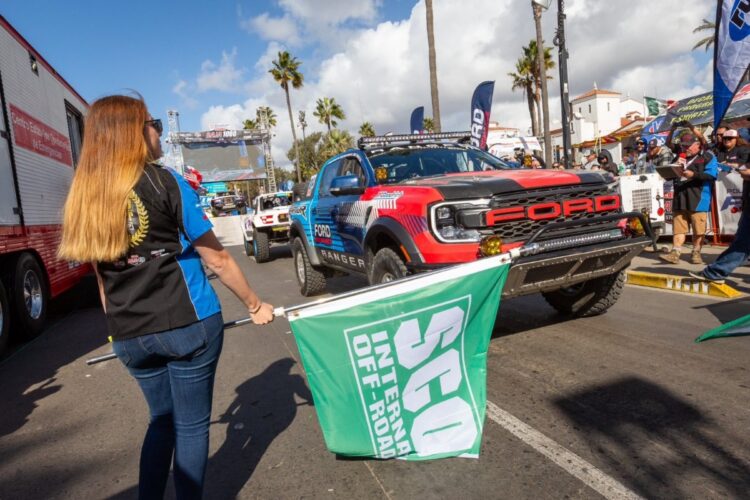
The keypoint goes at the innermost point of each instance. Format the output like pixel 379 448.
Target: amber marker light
pixel 491 245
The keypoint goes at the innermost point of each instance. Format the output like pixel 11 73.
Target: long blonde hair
pixel 112 160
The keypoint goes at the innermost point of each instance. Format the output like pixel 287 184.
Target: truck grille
pixel 523 229
pixel 642 200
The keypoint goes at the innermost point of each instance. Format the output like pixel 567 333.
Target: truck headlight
pixel 443 214
pixel 459 233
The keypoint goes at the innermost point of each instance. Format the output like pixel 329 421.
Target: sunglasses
pixel 156 123
pixel 728 138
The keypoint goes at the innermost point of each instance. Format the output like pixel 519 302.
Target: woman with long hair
pixel 143 229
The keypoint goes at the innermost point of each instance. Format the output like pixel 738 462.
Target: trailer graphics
pixel 41 121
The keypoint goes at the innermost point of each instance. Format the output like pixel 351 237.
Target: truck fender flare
pixel 396 232
pixel 296 230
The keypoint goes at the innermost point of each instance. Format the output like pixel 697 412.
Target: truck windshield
pixel 278 200
pixel 402 163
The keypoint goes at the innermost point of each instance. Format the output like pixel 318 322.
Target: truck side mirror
pixel 346 184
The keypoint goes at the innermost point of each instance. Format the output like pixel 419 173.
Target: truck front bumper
pixel 547 265
pixel 564 268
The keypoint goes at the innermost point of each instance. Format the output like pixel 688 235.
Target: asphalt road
pixel 626 396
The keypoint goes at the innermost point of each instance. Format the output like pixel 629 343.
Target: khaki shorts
pixel 697 220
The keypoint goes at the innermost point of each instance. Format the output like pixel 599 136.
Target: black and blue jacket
pixel 160 283
pixel 694 195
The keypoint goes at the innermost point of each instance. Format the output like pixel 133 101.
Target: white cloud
pixel 182 89
pixel 224 77
pixel 283 29
pixel 381 73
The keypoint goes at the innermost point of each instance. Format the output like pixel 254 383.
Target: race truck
pixel 268 224
pixel 226 203
pixel 403 204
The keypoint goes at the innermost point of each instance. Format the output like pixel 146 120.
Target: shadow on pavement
pixel 728 310
pixel 663 438
pixel 30 378
pixel 262 409
pixel 525 313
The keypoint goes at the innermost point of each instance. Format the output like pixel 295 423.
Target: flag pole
pixel 285 311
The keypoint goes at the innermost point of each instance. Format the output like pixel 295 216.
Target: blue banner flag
pixel 731 52
pixel 417 120
pixel 481 105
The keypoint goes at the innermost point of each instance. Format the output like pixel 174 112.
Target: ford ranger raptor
pixel 411 203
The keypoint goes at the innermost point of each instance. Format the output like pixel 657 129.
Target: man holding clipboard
pixel 694 174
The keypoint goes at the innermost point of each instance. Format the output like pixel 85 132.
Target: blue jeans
pixel 175 370
pixel 735 255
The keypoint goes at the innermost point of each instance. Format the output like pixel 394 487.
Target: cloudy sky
pixel 210 60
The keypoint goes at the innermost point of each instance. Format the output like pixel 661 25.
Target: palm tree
pixel 530 53
pixel 708 41
pixel 335 142
pixel 433 66
pixel 428 125
pixel 367 130
pixel 523 79
pixel 285 71
pixel 270 114
pixel 249 124
pixel 327 109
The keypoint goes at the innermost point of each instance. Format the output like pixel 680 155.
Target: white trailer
pixel 41 125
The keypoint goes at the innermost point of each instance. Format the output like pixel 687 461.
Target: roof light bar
pixel 385 139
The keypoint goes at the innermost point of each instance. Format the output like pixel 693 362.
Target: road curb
pixel 683 284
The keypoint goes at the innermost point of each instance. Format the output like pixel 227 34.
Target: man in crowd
pixel 657 156
pixel 640 156
pixel 628 157
pixel 606 162
pixel 718 135
pixel 735 157
pixel 692 197
pixel 590 160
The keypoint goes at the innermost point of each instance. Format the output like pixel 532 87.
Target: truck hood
pixel 486 184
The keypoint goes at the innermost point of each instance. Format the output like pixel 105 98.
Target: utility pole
pixel 537 7
pixel 564 96
pixel 433 68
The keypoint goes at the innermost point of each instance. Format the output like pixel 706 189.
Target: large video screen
pixel 226 160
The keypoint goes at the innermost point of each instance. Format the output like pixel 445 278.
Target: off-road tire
pixel 261 246
pixel 248 247
pixel 589 298
pixel 387 266
pixel 29 296
pixel 4 319
pixel 311 281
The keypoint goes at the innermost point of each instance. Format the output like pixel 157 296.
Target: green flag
pixel 655 106
pixel 399 370
pixel 736 328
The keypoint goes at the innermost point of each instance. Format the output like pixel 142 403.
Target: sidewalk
pixel 649 262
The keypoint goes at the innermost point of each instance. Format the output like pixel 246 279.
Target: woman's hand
pixel 263 315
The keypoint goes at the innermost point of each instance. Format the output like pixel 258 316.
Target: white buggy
pixel 268 224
